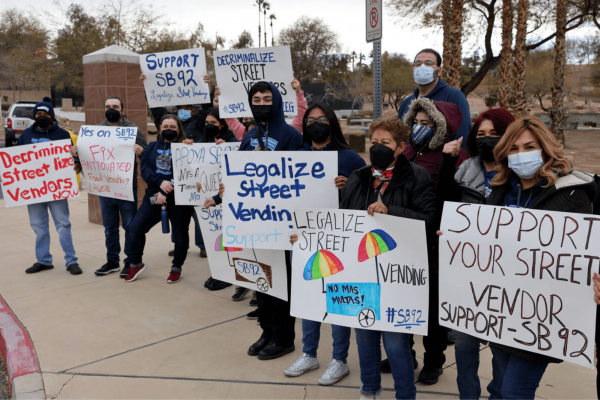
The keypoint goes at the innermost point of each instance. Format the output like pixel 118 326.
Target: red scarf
pixel 384 176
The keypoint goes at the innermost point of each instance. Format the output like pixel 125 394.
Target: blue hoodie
pixel 34 135
pixel 519 198
pixel 348 159
pixel 443 92
pixel 156 165
pixel 281 135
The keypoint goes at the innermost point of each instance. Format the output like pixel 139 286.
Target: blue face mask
pixel 421 133
pixel 526 164
pixel 424 75
pixel 184 115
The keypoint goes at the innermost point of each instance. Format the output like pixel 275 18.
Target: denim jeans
pixel 311 332
pixel 197 232
pixel 149 215
pixel 466 350
pixel 397 348
pixel 513 377
pixel 38 219
pixel 111 208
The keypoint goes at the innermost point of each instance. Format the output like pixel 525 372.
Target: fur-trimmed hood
pixel 446 116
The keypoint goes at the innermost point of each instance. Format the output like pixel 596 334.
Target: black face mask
pixel 318 132
pixel 485 147
pixel 169 135
pixel 262 113
pixel 43 122
pixel 381 156
pixel 112 115
pixel 211 130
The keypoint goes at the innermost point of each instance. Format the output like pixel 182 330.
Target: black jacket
pixel 193 127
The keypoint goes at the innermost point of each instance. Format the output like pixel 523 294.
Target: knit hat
pixel 45 105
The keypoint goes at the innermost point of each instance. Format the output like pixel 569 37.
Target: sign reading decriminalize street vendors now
pixel 522 278
pixel 37 173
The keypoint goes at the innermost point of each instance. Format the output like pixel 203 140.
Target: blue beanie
pixel 45 105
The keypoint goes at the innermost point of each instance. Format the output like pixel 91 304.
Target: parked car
pixel 18 118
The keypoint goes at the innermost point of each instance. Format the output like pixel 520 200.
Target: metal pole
pixel 376 79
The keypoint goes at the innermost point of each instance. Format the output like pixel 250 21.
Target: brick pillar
pixel 113 71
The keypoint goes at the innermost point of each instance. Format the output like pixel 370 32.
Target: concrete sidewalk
pixel 98 337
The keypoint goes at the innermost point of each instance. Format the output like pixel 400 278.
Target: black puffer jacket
pixel 465 184
pixel 409 194
pixel 572 193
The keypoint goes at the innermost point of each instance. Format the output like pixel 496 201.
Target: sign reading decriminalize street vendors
pixel 37 173
pixel 522 278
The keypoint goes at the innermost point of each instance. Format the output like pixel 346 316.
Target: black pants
pixel 436 341
pixel 274 314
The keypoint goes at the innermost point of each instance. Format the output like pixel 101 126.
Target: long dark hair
pixel 337 137
pixel 499 117
pixel 181 135
pixel 223 131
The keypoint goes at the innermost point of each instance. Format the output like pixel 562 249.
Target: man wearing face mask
pixel 427 70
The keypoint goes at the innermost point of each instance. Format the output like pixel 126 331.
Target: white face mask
pixel 424 75
pixel 526 164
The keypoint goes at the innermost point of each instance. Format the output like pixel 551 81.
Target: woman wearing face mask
pixel 322 132
pixel 216 129
pixel 470 183
pixel 157 171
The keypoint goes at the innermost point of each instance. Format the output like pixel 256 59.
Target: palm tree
pixel 506 55
pixel 520 106
pixel 266 6
pixel 456 41
pixel 557 113
pixel 272 17
pixel 259 3
pixel 353 56
pixel 447 34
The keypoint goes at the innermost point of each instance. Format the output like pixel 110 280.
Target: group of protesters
pixel 428 154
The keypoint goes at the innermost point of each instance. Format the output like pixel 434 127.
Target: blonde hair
pixel 393 125
pixel 555 162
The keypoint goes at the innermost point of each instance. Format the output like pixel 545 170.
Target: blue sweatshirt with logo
pixel 33 134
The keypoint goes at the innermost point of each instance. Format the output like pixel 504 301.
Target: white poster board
pixel 351 269
pixel 522 278
pixel 261 270
pixel 37 173
pixel 175 78
pixel 187 160
pixel 238 70
pixel 262 188
pixel 107 159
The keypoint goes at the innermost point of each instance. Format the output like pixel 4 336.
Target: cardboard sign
pixel 263 188
pixel 351 269
pixel 37 173
pixel 107 158
pixel 521 277
pixel 262 270
pixel 238 70
pixel 175 78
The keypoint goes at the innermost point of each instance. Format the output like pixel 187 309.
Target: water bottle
pixel 165 218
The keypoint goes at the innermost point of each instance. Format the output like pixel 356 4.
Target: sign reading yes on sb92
pixel 175 78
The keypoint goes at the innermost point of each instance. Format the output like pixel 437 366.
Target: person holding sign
pixel 216 129
pixel 390 185
pixel 157 171
pixel 110 207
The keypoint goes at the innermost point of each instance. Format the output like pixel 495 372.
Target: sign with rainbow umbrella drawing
pixel 373 270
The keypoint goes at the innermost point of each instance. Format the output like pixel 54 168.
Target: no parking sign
pixel 373 20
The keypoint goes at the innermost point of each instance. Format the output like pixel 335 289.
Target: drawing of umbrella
pixel 220 247
pixel 373 244
pixel 321 265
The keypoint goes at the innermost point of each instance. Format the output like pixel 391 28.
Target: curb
pixel 19 356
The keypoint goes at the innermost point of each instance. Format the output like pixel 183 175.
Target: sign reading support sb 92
pixel 175 78
pixel 374 29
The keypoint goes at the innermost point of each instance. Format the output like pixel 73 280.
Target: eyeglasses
pixel 428 63
pixel 311 120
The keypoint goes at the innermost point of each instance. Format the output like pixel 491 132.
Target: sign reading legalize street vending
pixel 107 159
pixel 352 269
pixel 175 78
pixel 263 188
pixel 37 173
pixel 521 278
pixel 262 270
pixel 187 160
pixel 238 70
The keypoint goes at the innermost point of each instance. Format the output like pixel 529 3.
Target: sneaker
pixel 303 364
pixel 174 277
pixel 203 253
pixel 37 267
pixel 253 302
pixel 124 271
pixel 336 371
pixel 240 293
pixel 252 315
pixel 74 269
pixel 171 253
pixel 108 268
pixel 134 272
pixel 429 376
pixel 218 285
pixel 368 396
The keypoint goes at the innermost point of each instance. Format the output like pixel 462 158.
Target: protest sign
pixel 263 187
pixel 107 158
pixel 187 160
pixel 522 278
pixel 37 173
pixel 262 270
pixel 238 70
pixel 175 78
pixel 355 270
